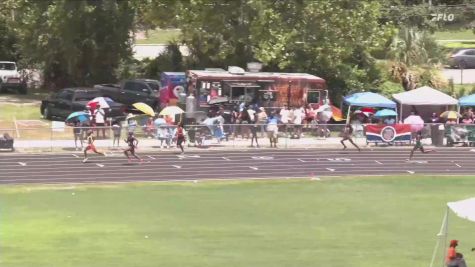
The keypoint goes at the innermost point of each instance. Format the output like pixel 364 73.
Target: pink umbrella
pixel 416 122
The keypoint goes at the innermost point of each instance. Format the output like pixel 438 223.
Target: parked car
pixel 10 78
pixel 69 100
pixel 464 58
pixel 133 91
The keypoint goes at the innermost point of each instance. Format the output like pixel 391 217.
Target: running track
pixel 222 165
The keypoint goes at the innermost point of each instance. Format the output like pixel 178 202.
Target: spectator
pixel 78 135
pixel 161 130
pixel 149 128
pixel 262 120
pixel 454 259
pixel 99 116
pixel 131 123
pixel 116 130
pixel 298 115
pixel 284 117
pixel 309 115
pixel 466 119
pixel 434 118
pixel 390 120
pixel 273 129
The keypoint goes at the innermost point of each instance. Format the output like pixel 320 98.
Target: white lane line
pixel 411 172
pixel 254 168
pixel 226 159
pixel 301 160
pixel 100 165
pixel 74 155
pixel 22 163
pixel 150 157
pixel 378 162
pixel 173 177
pixel 458 165
pixel 176 166
pixel 332 170
pixel 262 158
pixel 188 156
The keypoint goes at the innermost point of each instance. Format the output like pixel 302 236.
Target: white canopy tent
pixel 464 209
pixel 423 96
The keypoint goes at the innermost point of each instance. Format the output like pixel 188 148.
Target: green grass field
pixel 159 36
pixel 380 221
pixel 466 34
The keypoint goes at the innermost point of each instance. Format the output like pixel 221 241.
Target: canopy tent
pixel 467 101
pixel 424 96
pixel 464 209
pixel 368 99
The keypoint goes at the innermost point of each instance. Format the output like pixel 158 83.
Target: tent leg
pixel 348 115
pixel 458 111
pixel 400 114
pixel 442 235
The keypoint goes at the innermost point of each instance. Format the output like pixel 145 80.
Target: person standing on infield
pixel 347 132
pixel 418 146
pixel 132 142
pixel 180 137
pixel 90 146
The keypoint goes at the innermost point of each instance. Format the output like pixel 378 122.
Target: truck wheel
pixel 47 113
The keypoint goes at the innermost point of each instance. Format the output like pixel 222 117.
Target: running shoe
pixel 85 160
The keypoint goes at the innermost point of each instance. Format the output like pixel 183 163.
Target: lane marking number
pixel 176 166
pixel 22 163
pixel 254 168
pixel 332 170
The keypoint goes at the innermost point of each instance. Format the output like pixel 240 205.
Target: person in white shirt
pixel 99 115
pixel 252 114
pixel 298 115
pixel 285 117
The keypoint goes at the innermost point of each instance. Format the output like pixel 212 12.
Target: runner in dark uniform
pixel 132 142
pixel 180 137
pixel 418 145
pixel 347 132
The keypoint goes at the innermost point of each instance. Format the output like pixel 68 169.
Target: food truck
pixel 267 89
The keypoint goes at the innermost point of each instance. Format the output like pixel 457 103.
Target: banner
pixel 388 133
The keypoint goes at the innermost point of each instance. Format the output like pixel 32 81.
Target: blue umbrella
pixel 81 116
pixel 385 113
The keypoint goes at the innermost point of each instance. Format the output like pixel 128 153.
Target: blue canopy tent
pixel 368 99
pixel 467 101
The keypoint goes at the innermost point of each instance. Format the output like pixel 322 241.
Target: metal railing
pixel 226 135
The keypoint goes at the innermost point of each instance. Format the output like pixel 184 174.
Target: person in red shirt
pixel 180 137
pixel 453 258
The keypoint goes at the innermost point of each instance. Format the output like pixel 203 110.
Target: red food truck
pixel 266 89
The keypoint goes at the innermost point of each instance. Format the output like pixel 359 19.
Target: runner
pixel 419 146
pixel 180 137
pixel 90 146
pixel 347 132
pixel 132 142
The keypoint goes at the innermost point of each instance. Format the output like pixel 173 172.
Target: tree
pixel 77 42
pixel 329 38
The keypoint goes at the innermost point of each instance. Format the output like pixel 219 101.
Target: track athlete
pixel 346 134
pixel 418 146
pixel 132 142
pixel 90 146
